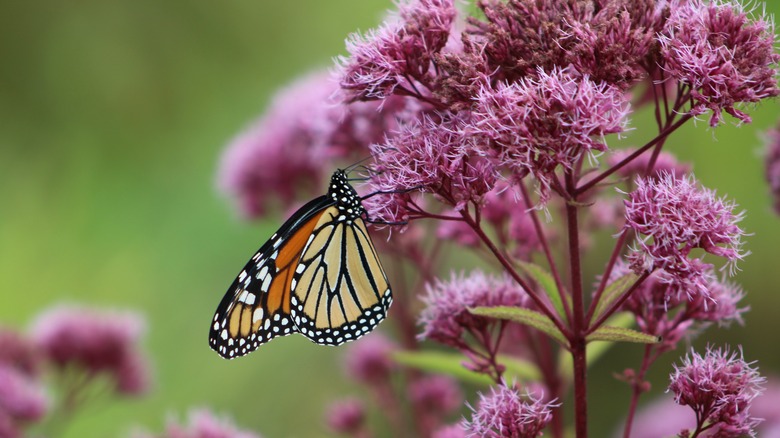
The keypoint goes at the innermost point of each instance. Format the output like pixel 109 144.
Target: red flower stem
pixel 540 345
pixel 540 303
pixel 577 340
pixel 647 360
pixel 547 253
pixel 605 276
pixel 660 137
pixel 619 302
pixel 658 119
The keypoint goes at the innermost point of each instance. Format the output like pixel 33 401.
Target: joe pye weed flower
pixel 494 135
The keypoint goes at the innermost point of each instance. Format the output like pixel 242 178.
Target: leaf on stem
pixel 452 365
pixel 546 281
pixel 612 292
pixel 621 334
pixel 523 316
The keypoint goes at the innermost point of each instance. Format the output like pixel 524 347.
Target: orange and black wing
pixel 339 291
pixel 256 307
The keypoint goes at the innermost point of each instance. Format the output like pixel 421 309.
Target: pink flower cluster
pixel 281 154
pixel 446 316
pixel 725 58
pixel 505 413
pixel 772 164
pixel 397 57
pixel 672 216
pixel 97 343
pixel 537 125
pixel 201 424
pixel 23 400
pixel 429 155
pixel 672 316
pixel 719 386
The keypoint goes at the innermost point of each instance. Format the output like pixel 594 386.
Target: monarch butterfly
pixel 319 275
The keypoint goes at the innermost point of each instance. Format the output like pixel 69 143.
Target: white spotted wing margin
pixel 340 291
pixel 248 316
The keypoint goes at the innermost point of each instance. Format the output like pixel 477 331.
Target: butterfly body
pixel 319 275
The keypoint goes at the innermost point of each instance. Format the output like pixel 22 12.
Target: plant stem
pixel 605 276
pixel 540 303
pixel 577 340
pixel 660 137
pixel 546 248
pixel 637 389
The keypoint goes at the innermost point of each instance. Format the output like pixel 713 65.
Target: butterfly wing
pixel 256 306
pixel 340 291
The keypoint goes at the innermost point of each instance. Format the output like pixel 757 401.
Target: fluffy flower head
pixel 429 155
pixel 446 314
pixel 672 316
pixel 720 387
pixel 672 216
pixel 398 52
pixel 723 56
pixel 535 126
pixel 505 413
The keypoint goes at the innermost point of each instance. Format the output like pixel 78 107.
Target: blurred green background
pixel 113 115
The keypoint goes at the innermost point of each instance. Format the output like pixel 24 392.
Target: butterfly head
pixel 344 196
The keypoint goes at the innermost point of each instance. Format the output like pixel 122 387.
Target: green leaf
pixel 597 349
pixel 519 369
pixel 546 282
pixel 452 365
pixel 441 362
pixel 613 291
pixel 523 316
pixel 621 334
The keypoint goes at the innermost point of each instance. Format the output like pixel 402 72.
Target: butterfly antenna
pixel 357 164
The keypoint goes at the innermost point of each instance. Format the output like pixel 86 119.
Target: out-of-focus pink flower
pixel 399 53
pixel 281 155
pixel 720 388
pixel 22 400
pixel 452 431
pixel 369 361
pixel 96 341
pixel 535 126
pixel 671 217
pixel 506 413
pixel 446 314
pixel 772 164
pixel 765 407
pixel 665 163
pixel 17 351
pixel 459 232
pixel 346 416
pixel 721 54
pixel 201 424
pixel 430 155
pixel 438 395
pixel 646 422
pixel 276 156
